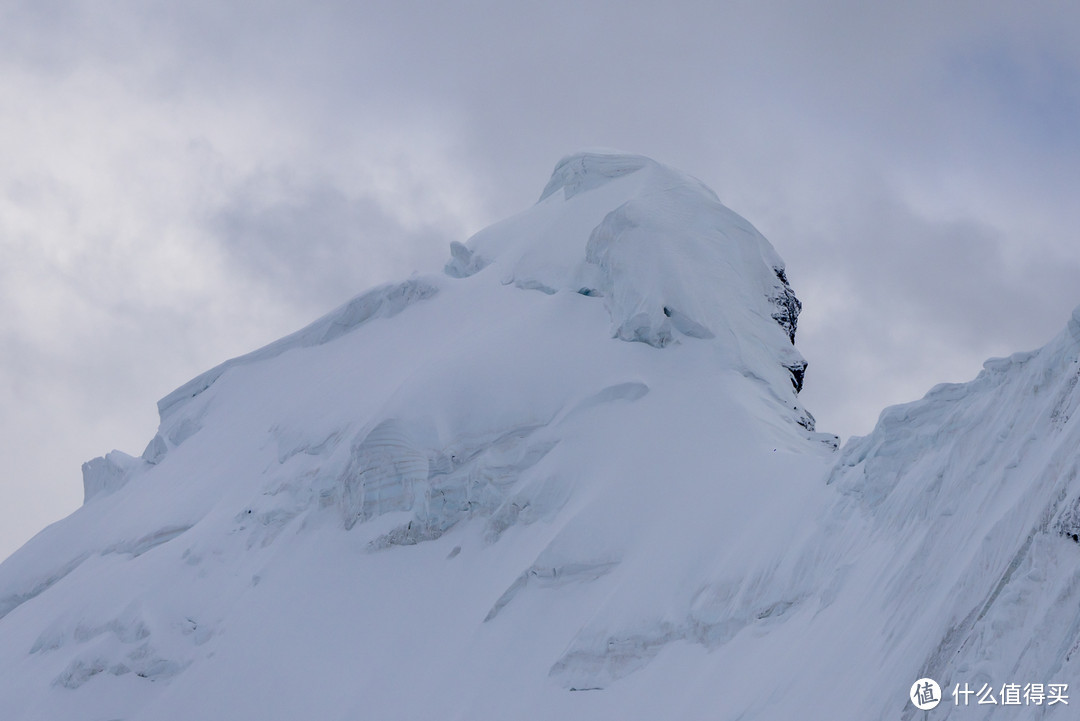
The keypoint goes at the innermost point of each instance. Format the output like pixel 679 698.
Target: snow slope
pixel 568 478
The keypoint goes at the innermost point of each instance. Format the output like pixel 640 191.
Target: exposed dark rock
pixel 787 307
pixel 798 371
pixel 1068 524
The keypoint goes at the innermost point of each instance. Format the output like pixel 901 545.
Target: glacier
pixel 569 477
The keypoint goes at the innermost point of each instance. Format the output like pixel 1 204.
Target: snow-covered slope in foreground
pixel 568 478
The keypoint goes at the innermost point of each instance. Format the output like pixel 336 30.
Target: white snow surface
pixel 570 478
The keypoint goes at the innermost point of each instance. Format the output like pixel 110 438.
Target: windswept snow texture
pixel 568 478
pixel 669 260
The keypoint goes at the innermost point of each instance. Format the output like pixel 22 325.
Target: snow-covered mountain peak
pixel 574 449
pixel 466 495
pixel 669 260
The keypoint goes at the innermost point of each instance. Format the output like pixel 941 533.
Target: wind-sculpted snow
pixel 393 469
pixel 463 262
pixel 669 261
pixel 125 644
pixel 969 495
pixel 567 478
pixel 107 474
pixel 587 170
pixel 384 302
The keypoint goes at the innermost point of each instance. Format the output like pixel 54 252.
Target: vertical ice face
pixel 386 471
pixel 105 475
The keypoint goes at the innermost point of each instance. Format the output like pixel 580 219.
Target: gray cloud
pixel 910 302
pixel 310 244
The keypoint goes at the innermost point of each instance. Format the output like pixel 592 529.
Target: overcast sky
pixel 181 182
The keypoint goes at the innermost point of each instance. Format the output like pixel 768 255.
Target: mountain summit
pixel 570 477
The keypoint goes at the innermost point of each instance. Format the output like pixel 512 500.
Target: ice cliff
pixel 569 477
